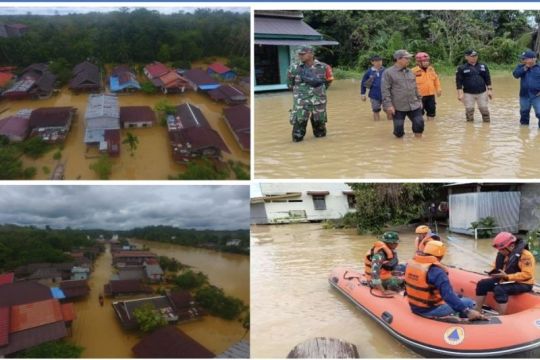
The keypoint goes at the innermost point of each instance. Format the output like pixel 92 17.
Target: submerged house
pixel 153 272
pixel 132 258
pixel 85 78
pixel 137 116
pixel 123 79
pixel 221 70
pixel 35 82
pixel 238 120
pixel 126 287
pixel 16 127
pixel 75 288
pixel 200 80
pixel 51 124
pixel 125 310
pixel 167 80
pixel 102 122
pixel 170 342
pixel 278 36
pixel 228 94
pixel 291 203
pixel 191 135
pixel 29 316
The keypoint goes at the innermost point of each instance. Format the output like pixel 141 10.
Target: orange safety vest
pixel 378 246
pixel 419 292
pixel 427 81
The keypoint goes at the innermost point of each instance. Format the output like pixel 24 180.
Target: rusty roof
pixel 219 68
pixel 68 312
pixel 4 325
pixel 199 77
pixel 29 338
pixel 170 342
pixel 135 253
pixel 198 138
pixel 137 113
pixel 51 117
pixel 23 292
pixel 35 314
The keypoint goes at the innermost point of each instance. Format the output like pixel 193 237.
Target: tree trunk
pixel 324 348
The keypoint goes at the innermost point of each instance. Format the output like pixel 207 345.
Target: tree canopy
pixel 499 36
pixel 127 36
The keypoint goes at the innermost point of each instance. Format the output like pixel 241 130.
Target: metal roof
pixel 33 315
pixel 57 293
pixel 294 42
pixel 170 342
pixel 32 337
pixel 102 112
pixel 240 350
pixel 284 26
pixel 4 325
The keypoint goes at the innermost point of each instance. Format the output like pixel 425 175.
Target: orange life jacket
pixel 419 292
pixel 385 273
pixel 421 244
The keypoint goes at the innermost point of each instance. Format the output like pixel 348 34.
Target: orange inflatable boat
pixel 516 334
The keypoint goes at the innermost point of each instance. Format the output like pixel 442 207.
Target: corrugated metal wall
pixel 466 208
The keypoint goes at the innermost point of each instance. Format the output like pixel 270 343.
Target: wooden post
pixel 324 348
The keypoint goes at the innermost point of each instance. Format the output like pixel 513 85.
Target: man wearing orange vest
pixel 428 288
pixel 513 272
pixel 428 84
pixel 424 236
pixel 380 261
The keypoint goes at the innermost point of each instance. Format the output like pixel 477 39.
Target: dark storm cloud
pixel 125 207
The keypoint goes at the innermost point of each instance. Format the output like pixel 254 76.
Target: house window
pixel 319 202
pixel 351 200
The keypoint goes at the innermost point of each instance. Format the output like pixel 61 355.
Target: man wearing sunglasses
pixel 513 272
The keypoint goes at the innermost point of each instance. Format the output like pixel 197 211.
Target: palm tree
pixel 132 141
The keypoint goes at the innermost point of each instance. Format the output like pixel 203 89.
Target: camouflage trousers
pixel 299 116
pixel 394 284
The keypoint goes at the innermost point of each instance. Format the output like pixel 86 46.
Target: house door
pixel 266 65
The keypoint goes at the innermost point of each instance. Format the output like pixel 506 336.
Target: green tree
pixel 53 349
pixel 217 303
pixel 34 147
pixel 132 141
pixel 190 280
pixel 102 167
pixel 201 170
pixel 148 88
pixel 149 318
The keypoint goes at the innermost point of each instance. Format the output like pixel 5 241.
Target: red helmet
pixel 503 240
pixel 422 56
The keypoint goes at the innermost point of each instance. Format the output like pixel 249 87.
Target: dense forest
pixel 129 36
pixel 199 238
pixel 499 36
pixel 26 245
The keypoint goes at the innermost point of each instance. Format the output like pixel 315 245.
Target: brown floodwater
pixel 358 147
pixel 153 158
pixel 99 332
pixel 294 301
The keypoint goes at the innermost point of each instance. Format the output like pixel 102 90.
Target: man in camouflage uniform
pixel 379 261
pixel 309 81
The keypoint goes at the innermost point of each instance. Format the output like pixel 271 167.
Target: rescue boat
pixel 516 334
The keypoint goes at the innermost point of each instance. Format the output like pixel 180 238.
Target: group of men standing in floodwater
pixel 402 92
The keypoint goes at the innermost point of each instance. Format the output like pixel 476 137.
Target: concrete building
pixel 296 202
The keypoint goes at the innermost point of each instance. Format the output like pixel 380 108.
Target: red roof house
pixel 137 116
pixel 5 79
pixel 7 278
pixel 155 70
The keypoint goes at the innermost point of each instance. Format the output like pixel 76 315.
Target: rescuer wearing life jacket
pixel 428 288
pixel 381 260
pixel 424 236
pixel 513 272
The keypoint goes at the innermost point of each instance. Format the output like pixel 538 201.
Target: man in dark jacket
pixel 372 80
pixel 529 93
pixel 473 84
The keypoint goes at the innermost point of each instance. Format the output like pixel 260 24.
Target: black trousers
pixel 500 291
pixel 429 105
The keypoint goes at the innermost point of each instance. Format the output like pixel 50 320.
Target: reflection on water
pixel 153 157
pixel 99 332
pixel 358 147
pixel 295 302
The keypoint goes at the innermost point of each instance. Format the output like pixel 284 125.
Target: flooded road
pixel 99 332
pixel 358 147
pixel 152 159
pixel 296 303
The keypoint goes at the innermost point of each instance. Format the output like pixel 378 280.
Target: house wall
pixel 137 124
pixel 529 211
pixel 302 208
pixel 258 214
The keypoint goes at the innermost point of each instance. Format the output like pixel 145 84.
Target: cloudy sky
pixel 125 207
pixel 63 9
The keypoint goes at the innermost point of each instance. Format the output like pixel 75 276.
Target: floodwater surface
pixel 97 329
pixel 152 160
pixel 359 147
pixel 294 301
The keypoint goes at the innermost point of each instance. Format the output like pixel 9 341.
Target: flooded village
pixel 113 295
pixel 95 117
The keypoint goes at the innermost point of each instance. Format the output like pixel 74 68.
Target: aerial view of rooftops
pixel 97 93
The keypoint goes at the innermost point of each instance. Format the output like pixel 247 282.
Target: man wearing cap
pixel 473 84
pixel 529 93
pixel 309 80
pixel 381 260
pixel 400 95
pixel 372 80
